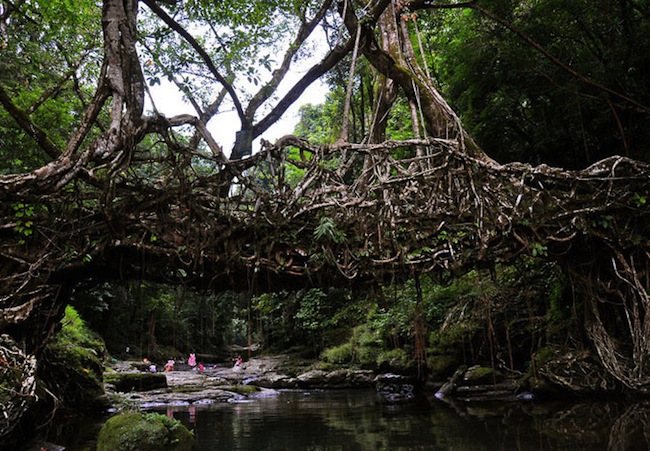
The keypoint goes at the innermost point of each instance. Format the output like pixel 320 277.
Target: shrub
pixel 394 360
pixel 339 354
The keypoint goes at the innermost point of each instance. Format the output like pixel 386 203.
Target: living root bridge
pixel 299 214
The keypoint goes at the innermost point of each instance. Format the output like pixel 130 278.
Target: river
pixel 360 420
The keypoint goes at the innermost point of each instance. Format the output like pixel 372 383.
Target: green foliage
pixel 368 345
pixel 322 124
pixel 510 312
pixel 313 318
pixel 439 298
pixel 394 360
pixel 522 107
pixel 46 41
pixel 157 321
pixel 326 231
pixel 75 331
pixel 293 173
pixel 244 40
pixel 538 250
pixel 73 362
pixel 341 354
pixel 144 432
pixel 399 122
pixel 639 200
pixel 384 337
pixel 24 219
pixel 318 123
pixel 310 314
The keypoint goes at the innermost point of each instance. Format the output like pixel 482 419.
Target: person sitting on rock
pixel 238 362
pixel 169 366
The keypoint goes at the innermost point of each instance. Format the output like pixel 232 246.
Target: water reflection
pixel 359 420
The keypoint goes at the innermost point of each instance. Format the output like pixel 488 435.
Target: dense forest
pixel 164 240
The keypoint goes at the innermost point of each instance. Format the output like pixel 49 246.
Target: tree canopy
pixel 550 82
pixel 96 184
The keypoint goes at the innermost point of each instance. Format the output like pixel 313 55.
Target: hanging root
pixel 17 384
pixel 619 324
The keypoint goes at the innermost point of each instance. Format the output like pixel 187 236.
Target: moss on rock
pixel 144 432
pixel 242 389
pixel 478 375
pixel 71 366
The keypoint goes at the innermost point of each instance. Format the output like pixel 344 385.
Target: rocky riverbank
pixel 264 375
pixel 260 376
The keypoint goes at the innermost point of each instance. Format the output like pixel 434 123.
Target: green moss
pixel 144 432
pixel 545 355
pixel 482 375
pixel 242 389
pixel 187 388
pixel 326 366
pixel 72 364
pixel 74 331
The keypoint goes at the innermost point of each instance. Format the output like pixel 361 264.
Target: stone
pixel 144 432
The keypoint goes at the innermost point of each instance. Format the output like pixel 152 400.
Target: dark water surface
pixel 360 420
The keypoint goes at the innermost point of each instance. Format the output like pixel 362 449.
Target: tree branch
pixel 208 61
pixel 278 75
pixel 24 121
pixel 331 59
pixel 313 74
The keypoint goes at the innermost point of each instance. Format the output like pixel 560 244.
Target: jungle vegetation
pixel 166 240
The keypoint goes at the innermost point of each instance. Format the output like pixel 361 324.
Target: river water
pixel 361 420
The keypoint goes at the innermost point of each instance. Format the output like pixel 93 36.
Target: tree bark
pixel 394 62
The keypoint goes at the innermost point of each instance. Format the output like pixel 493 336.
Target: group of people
pixel 169 366
pixel 191 361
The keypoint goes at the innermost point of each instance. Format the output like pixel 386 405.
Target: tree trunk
pixel 395 60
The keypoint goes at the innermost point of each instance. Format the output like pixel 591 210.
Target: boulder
pixel 394 387
pixel 272 380
pixel 313 378
pixel 480 375
pixel 144 432
pixel 340 378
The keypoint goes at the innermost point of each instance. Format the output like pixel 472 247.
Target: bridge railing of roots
pixel 296 214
